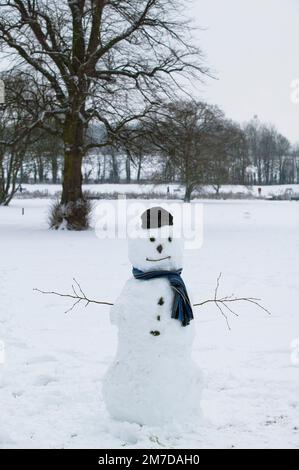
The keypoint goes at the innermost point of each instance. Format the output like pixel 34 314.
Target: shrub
pixel 71 216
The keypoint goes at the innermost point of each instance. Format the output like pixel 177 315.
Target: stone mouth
pixel 160 259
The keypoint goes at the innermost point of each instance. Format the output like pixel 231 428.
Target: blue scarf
pixel 181 308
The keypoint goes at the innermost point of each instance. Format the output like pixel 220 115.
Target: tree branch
pixel 221 303
pixel 224 302
pixel 78 297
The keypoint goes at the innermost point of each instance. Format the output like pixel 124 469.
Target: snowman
pixel 153 380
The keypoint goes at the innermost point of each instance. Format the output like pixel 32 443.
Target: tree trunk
pixel 139 168
pixel 8 179
pixel 73 211
pixel 188 193
pixel 114 170
pixel 217 189
pixel 21 173
pixel 54 169
pixel 99 168
pixel 128 169
pixel 103 177
pixel 73 137
pixel 72 176
pixel 34 173
pixel 40 169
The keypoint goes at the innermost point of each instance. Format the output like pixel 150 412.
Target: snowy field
pixel 51 376
pixel 158 189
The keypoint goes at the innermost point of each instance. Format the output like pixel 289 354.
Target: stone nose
pixel 159 248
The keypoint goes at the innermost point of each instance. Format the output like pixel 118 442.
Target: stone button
pixel 155 333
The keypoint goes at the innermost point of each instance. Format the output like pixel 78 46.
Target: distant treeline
pixel 186 142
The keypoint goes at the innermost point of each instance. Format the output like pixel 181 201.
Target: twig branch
pixel 76 297
pixel 224 301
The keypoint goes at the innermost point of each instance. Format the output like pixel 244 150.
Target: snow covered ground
pixel 50 379
pixel 158 189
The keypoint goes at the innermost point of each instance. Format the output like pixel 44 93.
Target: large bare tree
pixel 104 60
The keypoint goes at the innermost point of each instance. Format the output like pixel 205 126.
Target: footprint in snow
pixel 44 380
pixel 41 359
pixel 17 394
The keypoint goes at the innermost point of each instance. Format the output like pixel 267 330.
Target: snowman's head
pixel 156 248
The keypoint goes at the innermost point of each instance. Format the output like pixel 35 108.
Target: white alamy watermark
pixel 2 352
pixel 2 92
pixel 121 219
pixel 295 352
pixel 295 91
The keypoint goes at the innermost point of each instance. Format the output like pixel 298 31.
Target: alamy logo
pixel 295 352
pixel 2 352
pixel 295 91
pixel 2 92
pixel 122 219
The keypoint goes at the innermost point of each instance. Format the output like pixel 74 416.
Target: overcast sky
pixel 253 48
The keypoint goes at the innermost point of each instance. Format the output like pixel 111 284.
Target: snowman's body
pixel 153 379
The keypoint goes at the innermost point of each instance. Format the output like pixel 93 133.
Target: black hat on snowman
pixel 156 217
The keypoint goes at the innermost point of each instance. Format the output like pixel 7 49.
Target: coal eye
pixel 152 239
pixel 169 239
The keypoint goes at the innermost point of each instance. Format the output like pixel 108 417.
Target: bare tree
pixel 285 161
pixel 136 145
pixel 43 155
pixel 96 60
pixel 270 152
pixel 15 134
pixel 252 131
pixel 227 144
pixel 11 158
pixel 184 133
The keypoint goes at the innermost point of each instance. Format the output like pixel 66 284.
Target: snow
pixel 51 380
pixel 158 189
